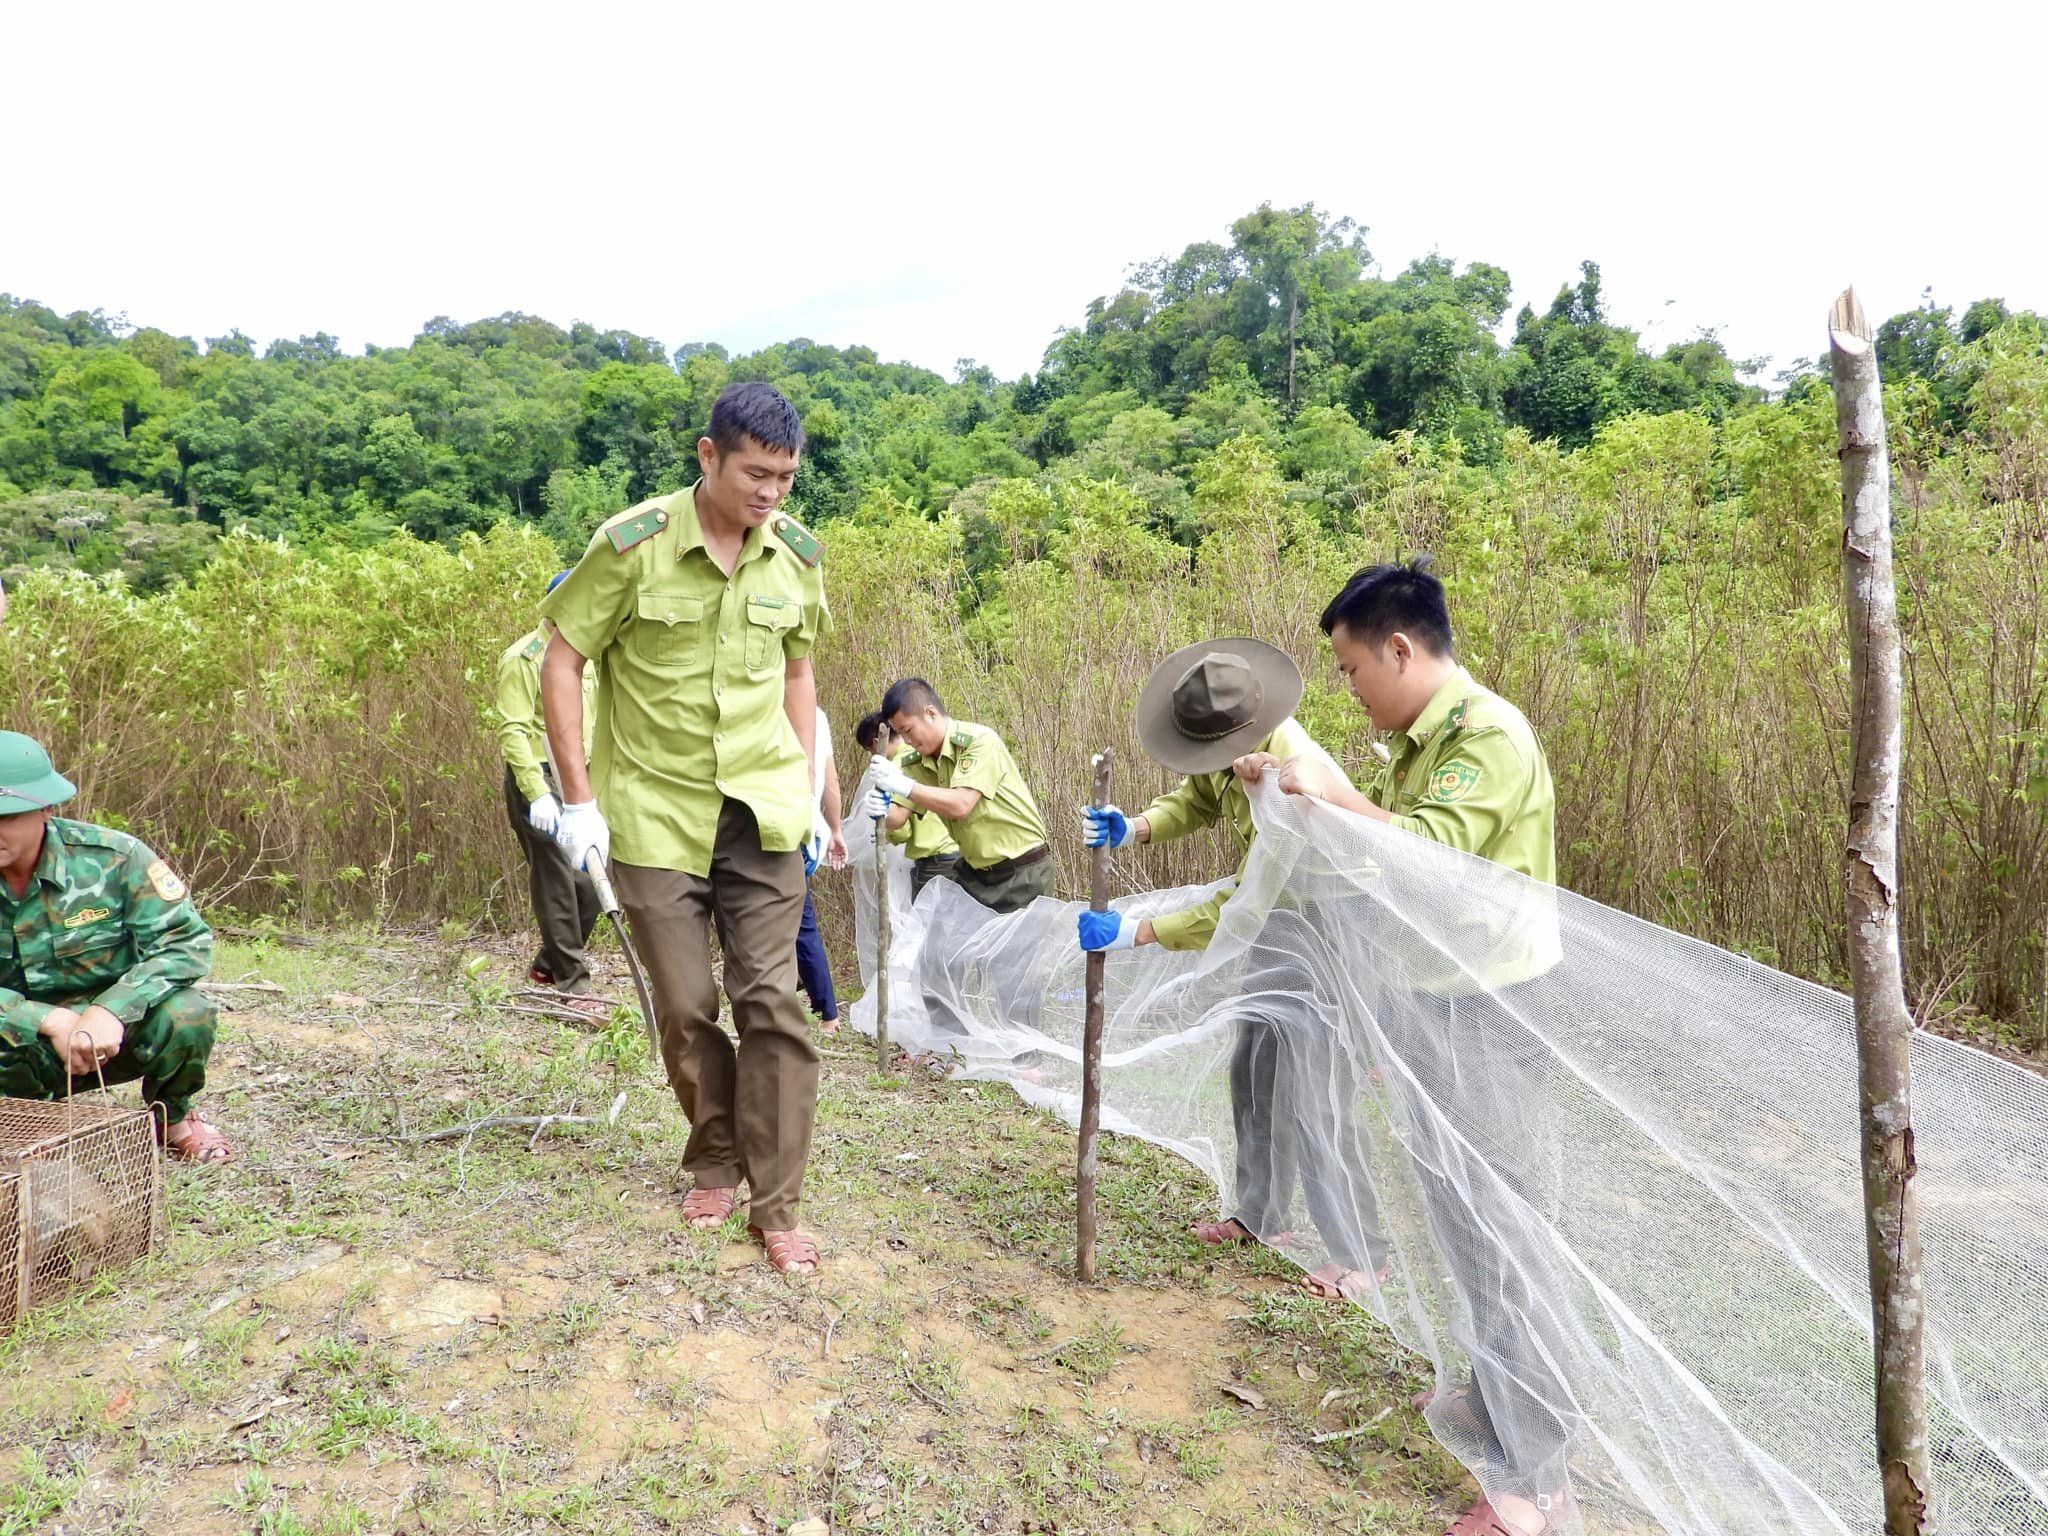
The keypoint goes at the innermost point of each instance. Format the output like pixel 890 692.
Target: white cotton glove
pixel 581 832
pixel 878 804
pixel 890 779
pixel 544 815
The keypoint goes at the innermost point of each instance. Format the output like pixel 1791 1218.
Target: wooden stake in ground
pixel 884 744
pixel 1091 1053
pixel 1884 1026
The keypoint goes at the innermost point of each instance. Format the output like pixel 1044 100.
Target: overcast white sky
pixel 946 181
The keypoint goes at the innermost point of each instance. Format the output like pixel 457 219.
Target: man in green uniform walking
pixel 564 901
pixel 1202 709
pixel 102 955
pixel 964 774
pixel 1466 770
pixel 700 610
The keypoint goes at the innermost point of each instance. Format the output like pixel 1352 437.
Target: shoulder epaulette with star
pixel 636 525
pixel 801 541
pixel 534 647
pixel 962 739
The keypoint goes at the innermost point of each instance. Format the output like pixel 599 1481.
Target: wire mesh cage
pixel 81 1191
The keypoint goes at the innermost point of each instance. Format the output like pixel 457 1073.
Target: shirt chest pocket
pixel 86 950
pixel 668 629
pixel 769 621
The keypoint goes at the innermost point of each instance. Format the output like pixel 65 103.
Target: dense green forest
pixel 131 449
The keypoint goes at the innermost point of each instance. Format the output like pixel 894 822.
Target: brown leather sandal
pixel 1220 1234
pixel 707 1209
pixel 1482 1519
pixel 1333 1282
pixel 791 1253
pixel 1461 1409
pixel 202 1141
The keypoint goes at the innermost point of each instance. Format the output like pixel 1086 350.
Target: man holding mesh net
pixel 1202 709
pixel 1465 770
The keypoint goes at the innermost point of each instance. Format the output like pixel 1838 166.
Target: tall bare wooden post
pixel 1091 1053
pixel 1884 1025
pixel 884 744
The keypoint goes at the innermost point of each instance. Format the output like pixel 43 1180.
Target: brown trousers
pixel 750 1109
pixel 564 901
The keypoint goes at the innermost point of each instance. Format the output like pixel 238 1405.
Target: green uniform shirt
pixel 924 836
pixel 522 728
pixel 105 921
pixel 690 673
pixel 1469 773
pixel 1005 821
pixel 1203 800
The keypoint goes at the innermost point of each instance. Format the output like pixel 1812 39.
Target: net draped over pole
pixel 1615 1169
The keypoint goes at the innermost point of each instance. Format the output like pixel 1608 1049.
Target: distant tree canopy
pixel 130 448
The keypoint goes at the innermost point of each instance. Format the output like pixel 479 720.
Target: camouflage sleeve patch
pixel 800 540
pixel 165 882
pixel 1453 781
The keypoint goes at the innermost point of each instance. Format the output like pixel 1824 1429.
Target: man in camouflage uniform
pixel 102 952
pixel 564 901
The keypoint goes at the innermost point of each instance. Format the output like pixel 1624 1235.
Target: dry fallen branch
pixel 539 1124
pixel 569 1015
pixel 1351 1433
pixel 264 935
pixel 548 994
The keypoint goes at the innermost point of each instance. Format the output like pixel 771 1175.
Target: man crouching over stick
pixel 700 609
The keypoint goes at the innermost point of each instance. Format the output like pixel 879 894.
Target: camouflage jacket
pixel 106 921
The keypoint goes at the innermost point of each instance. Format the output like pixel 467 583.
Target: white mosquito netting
pixel 1609 1173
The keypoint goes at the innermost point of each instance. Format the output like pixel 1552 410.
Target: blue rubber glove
pixel 1106 930
pixel 1106 827
pixel 810 861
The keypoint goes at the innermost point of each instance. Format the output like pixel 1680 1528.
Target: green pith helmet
pixel 27 781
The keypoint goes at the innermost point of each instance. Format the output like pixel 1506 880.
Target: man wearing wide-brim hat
pixel 99 982
pixel 1203 709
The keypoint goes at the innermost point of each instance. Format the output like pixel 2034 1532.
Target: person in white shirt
pixel 827 846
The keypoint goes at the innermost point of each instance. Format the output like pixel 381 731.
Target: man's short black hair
pixel 868 730
pixel 1384 598
pixel 908 695
pixel 758 411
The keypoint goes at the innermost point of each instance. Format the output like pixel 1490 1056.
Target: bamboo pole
pixel 1884 1026
pixel 1091 1052
pixel 884 745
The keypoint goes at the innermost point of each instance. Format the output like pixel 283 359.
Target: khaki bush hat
pixel 1208 704
pixel 27 781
